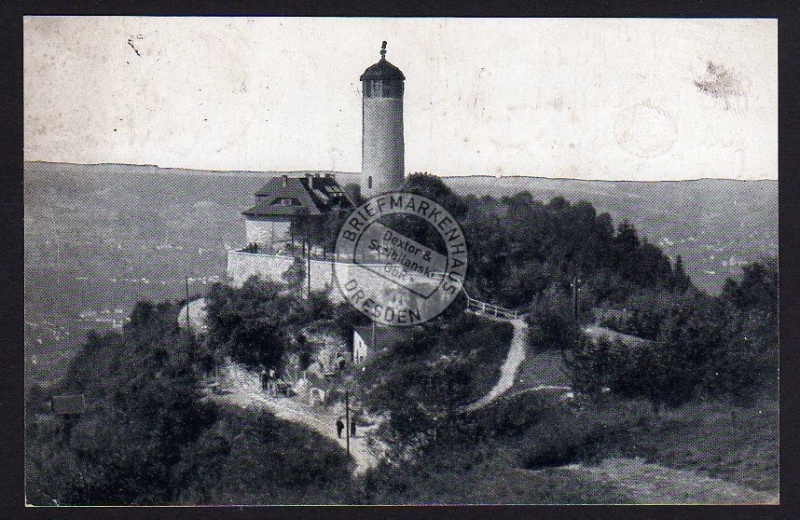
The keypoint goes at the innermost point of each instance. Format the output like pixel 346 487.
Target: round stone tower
pixel 382 144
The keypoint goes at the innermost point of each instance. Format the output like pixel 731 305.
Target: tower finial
pixel 383 50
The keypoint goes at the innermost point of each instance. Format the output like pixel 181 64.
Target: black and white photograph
pixel 400 261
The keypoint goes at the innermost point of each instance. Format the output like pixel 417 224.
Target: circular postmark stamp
pixel 401 259
pixel 645 130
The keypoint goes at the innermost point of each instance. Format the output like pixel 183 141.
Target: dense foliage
pixel 701 345
pixel 146 436
pixel 521 249
pixel 260 321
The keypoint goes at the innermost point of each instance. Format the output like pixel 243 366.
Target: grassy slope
pixel 497 479
pixel 543 368
pixel 698 437
pixel 705 437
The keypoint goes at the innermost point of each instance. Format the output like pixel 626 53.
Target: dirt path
pixel 241 387
pixel 596 332
pixel 656 484
pixel 508 372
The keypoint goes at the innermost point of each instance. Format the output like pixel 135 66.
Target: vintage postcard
pixel 274 261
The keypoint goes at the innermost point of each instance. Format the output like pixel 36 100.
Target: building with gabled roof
pixel 312 194
pixel 286 200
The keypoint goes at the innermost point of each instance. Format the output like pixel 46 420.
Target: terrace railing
pixel 489 309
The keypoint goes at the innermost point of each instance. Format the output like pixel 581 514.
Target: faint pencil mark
pixel 130 42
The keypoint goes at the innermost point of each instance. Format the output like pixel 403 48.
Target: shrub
pixel 552 326
pixel 506 417
pixel 564 437
pixel 660 372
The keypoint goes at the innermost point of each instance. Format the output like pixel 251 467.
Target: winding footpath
pixel 241 387
pixel 648 483
pixel 508 372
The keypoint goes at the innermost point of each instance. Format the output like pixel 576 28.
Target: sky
pixel 609 99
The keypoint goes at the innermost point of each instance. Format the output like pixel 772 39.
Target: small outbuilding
pixel 370 340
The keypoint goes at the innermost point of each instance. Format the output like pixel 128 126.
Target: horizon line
pixel 516 176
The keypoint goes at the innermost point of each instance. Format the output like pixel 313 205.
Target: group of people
pixel 340 427
pixel 268 382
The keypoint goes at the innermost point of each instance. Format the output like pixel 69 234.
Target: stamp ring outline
pixel 453 270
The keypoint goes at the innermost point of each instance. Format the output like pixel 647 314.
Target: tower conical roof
pixel 382 70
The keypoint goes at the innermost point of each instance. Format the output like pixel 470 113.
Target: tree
pixel 588 364
pixel 680 280
pixel 627 238
pixel 758 287
pixel 434 188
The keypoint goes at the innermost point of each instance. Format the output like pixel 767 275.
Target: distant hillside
pixel 98 238
pixel 716 225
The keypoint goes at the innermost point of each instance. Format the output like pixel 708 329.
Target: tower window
pixel 369 182
pixel 383 88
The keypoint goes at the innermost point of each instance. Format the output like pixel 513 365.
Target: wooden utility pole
pixel 307 252
pixel 188 329
pixel 347 418
pixel 575 282
pixel 308 271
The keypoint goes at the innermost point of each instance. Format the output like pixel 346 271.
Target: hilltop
pixel 567 405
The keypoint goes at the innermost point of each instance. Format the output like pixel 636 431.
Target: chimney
pixel 310 178
pixel 285 180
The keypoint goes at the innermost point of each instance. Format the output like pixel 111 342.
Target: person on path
pixel 339 427
pixel 352 428
pixel 272 385
pixel 264 379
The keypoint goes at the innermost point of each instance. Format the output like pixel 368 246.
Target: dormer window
pixel 285 201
